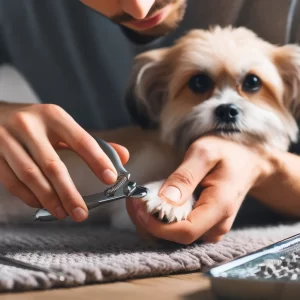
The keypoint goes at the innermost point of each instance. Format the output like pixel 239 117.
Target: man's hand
pixel 226 171
pixel 30 167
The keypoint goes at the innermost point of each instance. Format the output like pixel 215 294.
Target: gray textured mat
pixel 90 254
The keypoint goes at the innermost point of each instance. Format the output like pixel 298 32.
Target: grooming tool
pixel 123 187
pixel 20 264
pixel 272 272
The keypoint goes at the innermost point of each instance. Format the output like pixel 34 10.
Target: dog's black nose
pixel 227 113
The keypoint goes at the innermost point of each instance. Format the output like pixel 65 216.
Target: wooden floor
pixel 184 287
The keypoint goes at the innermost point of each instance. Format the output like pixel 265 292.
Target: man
pixel 79 60
pixel 148 18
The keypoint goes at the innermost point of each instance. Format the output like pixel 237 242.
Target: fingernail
pixel 109 176
pixel 60 212
pixel 143 217
pixel 172 193
pixel 79 214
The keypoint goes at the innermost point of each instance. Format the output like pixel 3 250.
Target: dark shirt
pixel 74 57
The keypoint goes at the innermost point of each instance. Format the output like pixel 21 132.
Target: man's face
pixel 147 17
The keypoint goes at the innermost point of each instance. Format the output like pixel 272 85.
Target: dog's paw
pixel 163 210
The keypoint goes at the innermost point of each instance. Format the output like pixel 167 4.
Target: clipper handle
pixel 112 154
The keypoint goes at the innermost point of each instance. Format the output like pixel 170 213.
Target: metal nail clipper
pixel 123 187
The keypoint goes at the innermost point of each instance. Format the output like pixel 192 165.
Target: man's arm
pixel 281 190
pixel 227 172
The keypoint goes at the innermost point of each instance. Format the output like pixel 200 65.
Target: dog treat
pixel 285 267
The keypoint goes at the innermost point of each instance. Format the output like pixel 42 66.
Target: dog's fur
pixel 162 96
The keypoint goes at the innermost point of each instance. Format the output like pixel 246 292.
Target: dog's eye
pixel 200 83
pixel 251 83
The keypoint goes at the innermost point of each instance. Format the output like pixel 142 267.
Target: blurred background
pixel 36 36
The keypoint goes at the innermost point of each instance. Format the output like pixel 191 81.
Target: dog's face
pixel 226 82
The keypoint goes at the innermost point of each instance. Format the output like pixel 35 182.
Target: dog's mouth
pixel 227 130
pixel 221 128
pixel 186 132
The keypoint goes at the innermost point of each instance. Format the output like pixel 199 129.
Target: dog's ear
pixel 147 90
pixel 287 60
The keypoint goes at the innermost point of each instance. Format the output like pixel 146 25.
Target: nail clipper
pixel 123 187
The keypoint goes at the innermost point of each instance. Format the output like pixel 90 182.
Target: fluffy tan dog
pixel 224 81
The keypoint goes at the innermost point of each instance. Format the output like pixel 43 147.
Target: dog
pixel 221 81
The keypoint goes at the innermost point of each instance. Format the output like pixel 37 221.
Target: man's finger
pixel 217 233
pixel 200 220
pixel 17 188
pixel 132 206
pixel 84 145
pixel 30 174
pixel 211 208
pixel 122 152
pixel 57 174
pixel 181 184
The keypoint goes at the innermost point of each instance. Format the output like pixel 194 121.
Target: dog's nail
pixel 172 193
pixel 165 219
pixel 156 215
pixel 143 217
